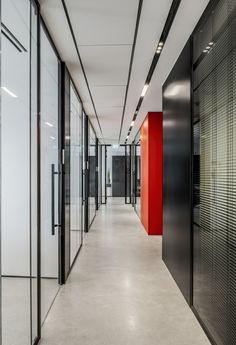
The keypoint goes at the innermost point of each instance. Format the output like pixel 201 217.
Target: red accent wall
pixel 151 173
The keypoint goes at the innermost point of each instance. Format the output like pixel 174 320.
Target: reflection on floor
pixel 120 292
pixel 49 290
pixel 16 308
pixel 15 311
pixel 75 243
pixel 115 201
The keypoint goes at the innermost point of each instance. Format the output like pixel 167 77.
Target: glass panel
pixel 136 173
pixel 103 174
pixel 99 175
pixel 128 173
pixel 34 170
pixel 19 172
pixel 137 178
pixel 92 174
pixel 75 174
pixel 49 161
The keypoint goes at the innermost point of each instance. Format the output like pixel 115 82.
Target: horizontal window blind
pixel 214 131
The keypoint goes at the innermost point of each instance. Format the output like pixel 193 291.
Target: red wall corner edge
pixel 151 173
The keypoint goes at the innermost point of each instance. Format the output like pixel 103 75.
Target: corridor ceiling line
pixel 131 62
pixel 168 24
pixel 81 62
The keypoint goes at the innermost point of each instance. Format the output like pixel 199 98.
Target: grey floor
pixel 16 307
pixel 120 292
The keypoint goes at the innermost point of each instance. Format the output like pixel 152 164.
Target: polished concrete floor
pixel 16 307
pixel 120 292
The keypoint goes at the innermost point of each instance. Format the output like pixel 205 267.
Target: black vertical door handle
pixel 53 173
pixel 53 199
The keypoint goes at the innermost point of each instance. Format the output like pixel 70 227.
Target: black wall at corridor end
pixel 177 241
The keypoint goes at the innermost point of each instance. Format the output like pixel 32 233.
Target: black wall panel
pixel 177 240
pixel 214 130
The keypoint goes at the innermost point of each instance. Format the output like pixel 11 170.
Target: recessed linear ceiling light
pixel 4 88
pixel 144 90
pixel 49 124
pixel 132 123
pixel 162 39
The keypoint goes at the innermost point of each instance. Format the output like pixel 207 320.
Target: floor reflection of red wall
pixel 151 173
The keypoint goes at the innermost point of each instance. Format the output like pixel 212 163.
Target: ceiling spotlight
pixel 161 44
pixel 144 90
pixel 205 51
pixel 158 51
pixel 127 137
pixel 211 43
pixel 132 123
pixel 208 47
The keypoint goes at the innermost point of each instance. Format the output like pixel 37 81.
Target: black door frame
pixel 128 198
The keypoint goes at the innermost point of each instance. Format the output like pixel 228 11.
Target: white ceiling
pixel 104 32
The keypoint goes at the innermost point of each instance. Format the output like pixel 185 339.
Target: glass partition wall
pixel 19 166
pixel 76 160
pixel 50 175
pixel 115 175
pixel 32 188
pixel 99 174
pixel 92 173
pixel 128 174
pixel 136 173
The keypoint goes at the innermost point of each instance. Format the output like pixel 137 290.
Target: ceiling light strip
pixel 169 21
pixel 81 63
pixel 131 62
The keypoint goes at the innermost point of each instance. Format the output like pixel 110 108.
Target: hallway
pixel 120 292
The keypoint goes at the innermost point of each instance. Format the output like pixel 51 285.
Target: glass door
pixel 50 176
pixel 19 168
pixel 92 173
pixel 76 156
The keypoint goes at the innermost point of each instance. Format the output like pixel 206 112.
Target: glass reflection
pixel 19 172
pixel 92 173
pixel 75 174
pixel 49 178
pixel 136 174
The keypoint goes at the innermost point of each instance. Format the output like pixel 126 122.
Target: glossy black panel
pixel 177 249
